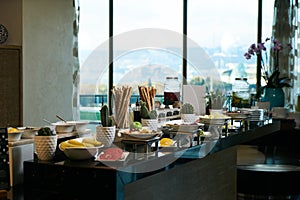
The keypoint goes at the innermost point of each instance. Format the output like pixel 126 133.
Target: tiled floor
pixel 249 154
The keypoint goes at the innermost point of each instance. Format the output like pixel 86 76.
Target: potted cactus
pixel 187 113
pixel 148 118
pixel 105 132
pixel 45 143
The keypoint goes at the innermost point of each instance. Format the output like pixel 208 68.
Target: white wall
pixel 47 60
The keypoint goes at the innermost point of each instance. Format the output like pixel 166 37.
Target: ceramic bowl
pixel 29 132
pixel 14 136
pixel 63 127
pixel 80 153
pixel 80 125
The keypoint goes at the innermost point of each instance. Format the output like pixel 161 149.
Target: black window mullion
pixel 184 49
pixel 258 63
pixel 111 57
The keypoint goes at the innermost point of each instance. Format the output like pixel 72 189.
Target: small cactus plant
pixel 145 113
pixel 104 115
pixel 187 108
pixel 144 110
pixel 153 114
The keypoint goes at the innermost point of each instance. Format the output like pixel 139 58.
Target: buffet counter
pixel 22 150
pixel 207 170
pixel 24 141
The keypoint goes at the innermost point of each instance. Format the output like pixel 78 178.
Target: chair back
pixel 4 160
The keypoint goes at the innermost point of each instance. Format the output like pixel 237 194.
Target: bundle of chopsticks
pixel 121 98
pixel 147 95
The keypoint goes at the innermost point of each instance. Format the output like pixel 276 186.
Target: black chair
pixel 268 172
pixel 4 164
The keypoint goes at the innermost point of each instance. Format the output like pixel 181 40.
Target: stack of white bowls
pixel 254 114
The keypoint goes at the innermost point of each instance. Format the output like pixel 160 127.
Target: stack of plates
pixel 254 114
pixel 215 120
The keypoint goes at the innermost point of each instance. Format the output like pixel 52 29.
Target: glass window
pixel 223 36
pixel 136 14
pixel 93 55
pixel 220 34
pixel 147 42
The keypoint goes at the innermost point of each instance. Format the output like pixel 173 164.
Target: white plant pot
pixel 188 118
pixel 106 135
pixel 45 146
pixel 152 124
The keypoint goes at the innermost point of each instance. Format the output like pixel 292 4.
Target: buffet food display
pixel 138 136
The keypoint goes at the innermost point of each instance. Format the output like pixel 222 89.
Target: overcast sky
pixel 210 23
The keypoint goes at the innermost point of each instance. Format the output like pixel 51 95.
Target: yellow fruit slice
pixel 88 144
pixel 12 130
pixel 166 142
pixel 66 144
pixel 75 142
pixel 91 141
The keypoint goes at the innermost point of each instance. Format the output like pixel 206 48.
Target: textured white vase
pixel 45 146
pixel 188 118
pixel 106 135
pixel 152 124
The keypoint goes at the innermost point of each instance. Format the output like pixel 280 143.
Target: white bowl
pixel 29 132
pixel 80 153
pixel 80 125
pixel 14 136
pixel 62 127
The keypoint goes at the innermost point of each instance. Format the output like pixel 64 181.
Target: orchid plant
pixel 270 75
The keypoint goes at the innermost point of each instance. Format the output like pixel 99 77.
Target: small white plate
pixel 123 158
pixel 126 133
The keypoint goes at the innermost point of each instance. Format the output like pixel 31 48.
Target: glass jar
pixel 171 90
pixel 241 93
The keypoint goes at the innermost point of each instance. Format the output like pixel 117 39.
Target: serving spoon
pixel 47 121
pixel 59 117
